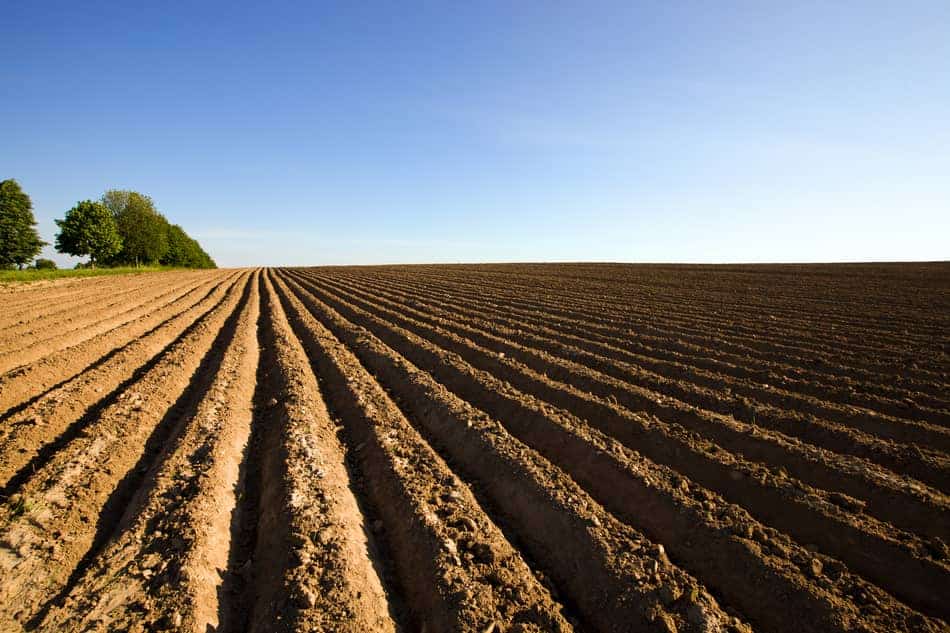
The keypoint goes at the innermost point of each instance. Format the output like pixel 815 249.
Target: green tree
pixel 148 237
pixel 205 259
pixel 116 200
pixel 178 247
pixel 89 229
pixel 144 231
pixel 19 241
pixel 185 251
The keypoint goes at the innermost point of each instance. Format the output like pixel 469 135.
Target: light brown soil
pixel 572 447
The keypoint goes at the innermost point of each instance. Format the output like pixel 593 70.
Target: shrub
pixel 45 264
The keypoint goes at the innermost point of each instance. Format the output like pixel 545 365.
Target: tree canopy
pixel 122 228
pixel 185 251
pixel 148 237
pixel 89 229
pixel 19 241
pixel 144 231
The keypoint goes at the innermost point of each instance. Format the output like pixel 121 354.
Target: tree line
pixel 122 228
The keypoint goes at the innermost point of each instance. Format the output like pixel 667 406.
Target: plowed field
pixel 490 448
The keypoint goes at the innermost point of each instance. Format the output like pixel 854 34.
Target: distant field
pixel 23 276
pixel 532 447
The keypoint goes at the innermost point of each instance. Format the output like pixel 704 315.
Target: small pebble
pixel 307 598
pixel 324 535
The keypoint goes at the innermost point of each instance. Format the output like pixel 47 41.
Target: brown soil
pixel 571 447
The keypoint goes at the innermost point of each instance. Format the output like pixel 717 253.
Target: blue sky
pixel 316 133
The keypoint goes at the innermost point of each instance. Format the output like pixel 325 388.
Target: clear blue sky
pixel 312 133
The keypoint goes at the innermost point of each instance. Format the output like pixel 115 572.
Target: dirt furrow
pixel 902 502
pixel 456 568
pixel 812 375
pixel 806 398
pixel 300 559
pixel 163 567
pixel 781 320
pixel 885 398
pixel 647 337
pixel 616 579
pixel 919 462
pixel 697 311
pixel 33 434
pixel 715 539
pixel 898 562
pixel 708 339
pixel 55 308
pixel 55 337
pixel 774 294
pixel 41 301
pixel 47 326
pixel 712 393
pixel 25 385
pixel 64 510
